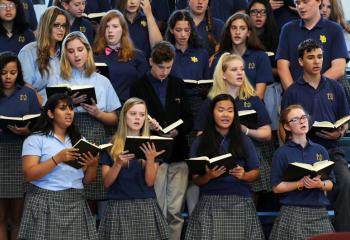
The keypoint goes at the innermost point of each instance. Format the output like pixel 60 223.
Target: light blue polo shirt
pixel 62 176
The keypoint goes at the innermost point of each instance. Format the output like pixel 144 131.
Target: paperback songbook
pixel 248 118
pixel 85 146
pixel 96 17
pixel 102 68
pixel 199 82
pixel 297 170
pixel 170 127
pixel 197 165
pixel 18 121
pixel 88 90
pixel 133 143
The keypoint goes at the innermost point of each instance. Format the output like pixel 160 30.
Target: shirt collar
pixel 154 80
pixel 319 24
pixel 309 143
pixel 301 81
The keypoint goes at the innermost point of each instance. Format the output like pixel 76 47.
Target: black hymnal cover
pixel 87 90
pixel 297 170
pixel 133 144
pixel 197 165
pixel 102 68
pixel 85 146
pixel 328 126
pixel 18 121
pixel 96 17
pixel 248 118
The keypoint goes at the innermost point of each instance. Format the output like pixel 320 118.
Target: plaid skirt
pixel 224 217
pixel 133 219
pixel 300 222
pixel 11 173
pixel 56 215
pixel 94 131
pixel 265 152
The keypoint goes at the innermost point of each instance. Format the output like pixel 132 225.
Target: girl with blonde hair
pixel 130 181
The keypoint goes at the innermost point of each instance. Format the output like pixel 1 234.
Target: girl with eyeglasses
pixel 15 32
pixel 303 212
pixel 40 59
pixel 16 100
pixel 75 9
pixel 114 47
pixel 55 205
pixel 239 37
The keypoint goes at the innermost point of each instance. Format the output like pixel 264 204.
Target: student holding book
pixel 16 100
pixel 230 78
pixel 303 213
pixel 114 47
pixel 78 68
pixel 143 27
pixel 325 100
pixel 55 203
pixel 40 59
pixel 225 209
pixel 239 37
pixel 15 32
pixel 167 102
pixel 75 9
pixel 191 60
pixel 130 181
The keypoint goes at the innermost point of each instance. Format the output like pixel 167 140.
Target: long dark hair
pixel 44 125
pixel 210 139
pixel 183 15
pixel 252 42
pixel 269 35
pixel 7 57
pixel 19 22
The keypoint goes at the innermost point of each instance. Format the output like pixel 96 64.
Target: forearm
pixel 261 134
pixel 200 180
pixel 150 173
pixel 108 118
pixel 153 30
pixel 90 174
pixel 251 175
pixel 284 73
pixel 39 170
pixel 283 187
pixel 337 70
pixel 111 174
pixel 260 90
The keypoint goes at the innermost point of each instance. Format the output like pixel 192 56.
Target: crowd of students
pixel 290 79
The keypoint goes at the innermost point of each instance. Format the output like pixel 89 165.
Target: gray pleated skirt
pixel 11 173
pixel 56 215
pixel 224 217
pixel 300 222
pixel 133 219
pixel 265 152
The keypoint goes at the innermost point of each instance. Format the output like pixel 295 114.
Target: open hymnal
pixel 18 121
pixel 248 118
pixel 296 170
pixel 88 90
pixel 170 127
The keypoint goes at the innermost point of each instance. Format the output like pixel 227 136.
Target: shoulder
pixel 218 22
pixel 331 26
pixel 29 48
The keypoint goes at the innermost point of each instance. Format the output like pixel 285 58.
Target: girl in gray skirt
pixel 132 210
pixel 304 201
pixel 225 209
pixel 55 207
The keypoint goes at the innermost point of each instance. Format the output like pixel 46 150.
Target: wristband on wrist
pixel 247 131
pixel 54 161
pixel 299 187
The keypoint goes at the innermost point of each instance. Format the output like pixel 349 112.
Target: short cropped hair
pixel 162 51
pixel 308 45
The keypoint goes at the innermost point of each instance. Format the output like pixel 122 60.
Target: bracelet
pixel 54 160
pixel 298 186
pixel 247 131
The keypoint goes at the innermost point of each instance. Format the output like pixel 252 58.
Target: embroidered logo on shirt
pixel 194 59
pixel 319 156
pixel 23 97
pixel 177 100
pixel 82 29
pixel 247 104
pixel 143 23
pixel 323 38
pixel 21 39
pixel 25 6
pixel 330 96
pixel 251 65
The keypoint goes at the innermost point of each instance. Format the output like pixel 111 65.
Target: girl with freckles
pixel 77 68
pixel 303 212
pixel 132 210
pixel 225 209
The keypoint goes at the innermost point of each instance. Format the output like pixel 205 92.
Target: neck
pixel 114 46
pixel 300 139
pixel 8 26
pixel 133 132
pixel 239 49
pixel 9 91
pixel 259 31
pixel 233 90
pixel 197 18
pixel 59 132
pixel 71 19
pixel 312 79
pixel 131 16
pixel 309 24
pixel 182 48
pixel 53 49
pixel 223 132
